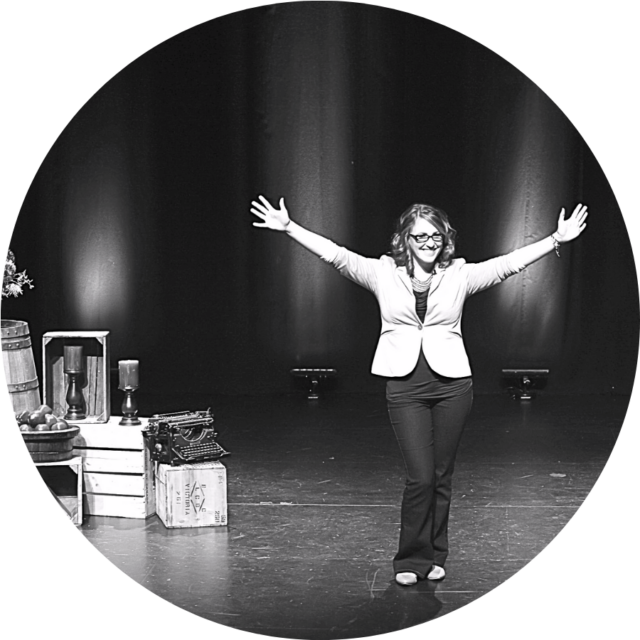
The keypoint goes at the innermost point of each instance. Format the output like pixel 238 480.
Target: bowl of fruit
pixel 48 437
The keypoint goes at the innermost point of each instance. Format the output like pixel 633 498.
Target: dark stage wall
pixel 138 220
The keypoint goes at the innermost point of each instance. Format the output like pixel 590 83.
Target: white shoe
pixel 406 578
pixel 436 573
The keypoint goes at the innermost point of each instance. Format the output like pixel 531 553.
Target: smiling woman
pixel 421 290
pixel 432 238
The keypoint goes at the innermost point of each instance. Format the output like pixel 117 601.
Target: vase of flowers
pixel 17 354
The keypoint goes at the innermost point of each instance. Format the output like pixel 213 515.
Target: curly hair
pixel 400 240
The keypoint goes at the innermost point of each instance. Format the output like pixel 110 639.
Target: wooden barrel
pixel 19 366
pixel 51 446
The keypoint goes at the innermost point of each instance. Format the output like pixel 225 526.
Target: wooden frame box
pixel 118 472
pixel 72 504
pixel 96 380
pixel 192 495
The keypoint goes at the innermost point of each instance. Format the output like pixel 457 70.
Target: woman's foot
pixel 406 578
pixel 436 573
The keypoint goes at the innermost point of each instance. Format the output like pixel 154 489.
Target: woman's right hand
pixel 272 218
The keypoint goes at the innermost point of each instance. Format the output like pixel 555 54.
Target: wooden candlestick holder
pixel 75 399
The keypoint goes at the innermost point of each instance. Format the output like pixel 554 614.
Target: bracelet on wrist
pixel 556 244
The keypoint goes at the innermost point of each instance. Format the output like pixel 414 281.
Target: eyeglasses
pixel 423 238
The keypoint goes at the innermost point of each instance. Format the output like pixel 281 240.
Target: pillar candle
pixel 128 373
pixel 72 358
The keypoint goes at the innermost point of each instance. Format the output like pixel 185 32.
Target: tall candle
pixel 72 358
pixel 128 373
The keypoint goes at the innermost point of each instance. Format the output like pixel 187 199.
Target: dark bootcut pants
pixel 427 414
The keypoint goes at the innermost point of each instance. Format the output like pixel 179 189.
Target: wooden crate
pixel 192 495
pixel 118 472
pixel 95 384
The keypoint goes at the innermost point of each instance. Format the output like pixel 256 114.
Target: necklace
pixel 420 286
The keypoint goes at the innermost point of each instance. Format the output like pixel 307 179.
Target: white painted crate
pixel 118 473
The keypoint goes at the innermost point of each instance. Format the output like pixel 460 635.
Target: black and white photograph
pixel 320 319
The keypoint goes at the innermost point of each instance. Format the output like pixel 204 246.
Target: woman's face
pixel 425 242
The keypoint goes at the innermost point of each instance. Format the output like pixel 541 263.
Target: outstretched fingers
pixel 260 215
pixel 580 213
pixel 583 215
pixel 260 207
pixel 579 218
pixel 257 212
pixel 267 205
pixel 270 217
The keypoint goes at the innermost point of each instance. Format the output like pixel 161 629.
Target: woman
pixel 421 290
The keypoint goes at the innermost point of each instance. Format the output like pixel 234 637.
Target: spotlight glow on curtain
pixel 308 103
pixel 96 243
pixel 539 180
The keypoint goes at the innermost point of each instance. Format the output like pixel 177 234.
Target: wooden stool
pixel 71 504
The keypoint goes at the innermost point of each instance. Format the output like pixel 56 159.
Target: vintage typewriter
pixel 184 437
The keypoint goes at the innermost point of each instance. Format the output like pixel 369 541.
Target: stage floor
pixel 314 489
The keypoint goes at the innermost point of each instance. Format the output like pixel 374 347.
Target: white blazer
pixel 402 333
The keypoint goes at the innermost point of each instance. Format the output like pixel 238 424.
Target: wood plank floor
pixel 314 489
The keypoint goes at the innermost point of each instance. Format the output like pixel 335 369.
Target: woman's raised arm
pixel 279 220
pixel 568 230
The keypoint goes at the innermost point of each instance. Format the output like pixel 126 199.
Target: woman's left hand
pixel 572 227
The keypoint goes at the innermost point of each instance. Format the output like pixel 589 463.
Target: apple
pixel 60 425
pixel 36 418
pixel 22 417
pixel 50 419
pixel 43 427
pixel 25 427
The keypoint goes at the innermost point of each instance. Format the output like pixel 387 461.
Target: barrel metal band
pixel 18 344
pixel 23 386
pixel 21 329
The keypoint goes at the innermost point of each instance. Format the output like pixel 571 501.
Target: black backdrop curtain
pixel 137 221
